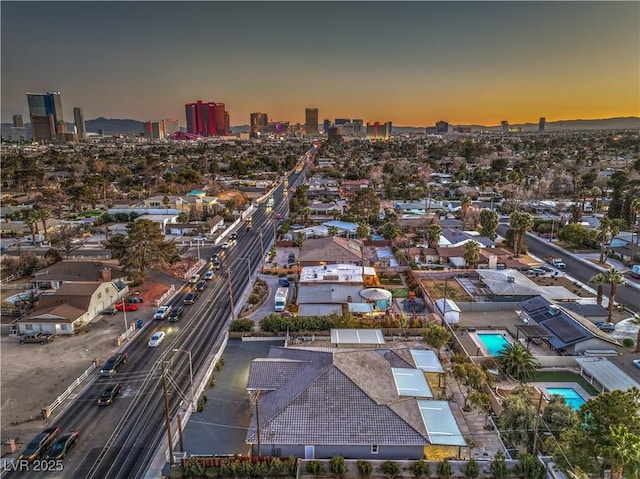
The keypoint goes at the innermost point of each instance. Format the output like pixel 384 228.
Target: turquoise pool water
pixel 571 396
pixel 493 342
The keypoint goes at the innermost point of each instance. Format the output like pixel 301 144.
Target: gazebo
pixel 381 297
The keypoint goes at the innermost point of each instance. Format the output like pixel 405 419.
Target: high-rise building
pixel 78 119
pixel 326 124
pixel 311 121
pixel 207 119
pixel 153 130
pixel 45 112
pixel 341 121
pixel 357 127
pixel 378 131
pixel 171 127
pixel 17 121
pixel 258 122
pixel 542 123
pixel 505 126
pixel 442 127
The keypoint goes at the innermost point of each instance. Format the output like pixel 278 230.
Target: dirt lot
pixel 33 375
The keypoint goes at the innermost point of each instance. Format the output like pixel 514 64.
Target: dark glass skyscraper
pixel 45 112
pixel 78 119
pixel 311 121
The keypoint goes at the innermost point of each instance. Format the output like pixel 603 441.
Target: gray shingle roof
pixel 343 397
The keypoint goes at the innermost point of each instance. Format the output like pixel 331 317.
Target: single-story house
pixel 358 404
pixel 570 333
pixel 74 304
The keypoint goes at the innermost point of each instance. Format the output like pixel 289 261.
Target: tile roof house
pixel 330 250
pixel 570 333
pixel 319 403
pixel 75 304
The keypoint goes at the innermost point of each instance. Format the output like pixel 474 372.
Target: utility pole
pixel 180 438
pixel 166 411
pixel 233 309
pixel 536 424
pixel 254 397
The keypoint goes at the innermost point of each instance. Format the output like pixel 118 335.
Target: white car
pixel 225 245
pixel 162 312
pixel 636 362
pixel 194 279
pixel 208 275
pixel 156 339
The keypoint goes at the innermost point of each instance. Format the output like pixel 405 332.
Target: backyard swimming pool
pixel 493 342
pixel 571 396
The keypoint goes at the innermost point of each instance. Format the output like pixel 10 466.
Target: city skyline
pixel 412 63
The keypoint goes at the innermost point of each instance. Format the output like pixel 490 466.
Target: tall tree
pixel 634 209
pixel 488 223
pixel 332 231
pixel 362 231
pixel 593 443
pixel 517 362
pixel 142 248
pixel 599 280
pixel 433 235
pixel 471 253
pixel 606 230
pixel 465 207
pixel 517 420
pixel 613 278
pixel 435 336
pixel 520 222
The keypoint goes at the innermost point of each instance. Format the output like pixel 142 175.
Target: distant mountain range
pixel 111 126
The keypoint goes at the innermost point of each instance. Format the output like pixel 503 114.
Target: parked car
pixel 636 362
pixel 606 327
pixel 176 313
pixel 110 311
pixel 63 444
pixel 547 269
pixel 194 279
pixel 126 307
pixel 208 275
pixel 135 299
pixel 41 338
pixel 225 245
pixel 156 339
pixel 536 271
pixel 113 363
pixel 163 312
pixel 284 282
pixel 190 297
pixel 109 394
pixel 39 444
pixel 202 285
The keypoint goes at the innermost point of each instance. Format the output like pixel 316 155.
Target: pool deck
pixel 575 386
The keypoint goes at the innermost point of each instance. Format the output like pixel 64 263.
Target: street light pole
pixel 233 309
pixel 190 376
pixel 261 251
pixel 124 311
pixel 248 260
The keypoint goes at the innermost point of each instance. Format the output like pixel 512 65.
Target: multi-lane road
pixel 578 268
pixel 120 440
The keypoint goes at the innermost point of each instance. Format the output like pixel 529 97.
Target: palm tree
pixel 634 209
pixel 465 206
pixel 622 450
pixel 517 362
pixel 362 231
pixel 607 229
pixel 471 252
pixel 433 235
pixel 332 231
pixel 166 201
pixel 596 193
pixel 613 278
pixel 31 219
pixel 520 222
pixel 42 214
pixel 599 281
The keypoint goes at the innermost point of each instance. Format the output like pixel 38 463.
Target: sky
pixel 412 63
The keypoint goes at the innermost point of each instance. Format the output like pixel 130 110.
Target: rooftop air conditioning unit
pixel 511 279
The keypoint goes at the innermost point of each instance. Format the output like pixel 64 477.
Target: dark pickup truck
pixel 41 338
pixel 113 363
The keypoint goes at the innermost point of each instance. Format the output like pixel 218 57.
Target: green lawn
pixel 565 377
pixel 399 292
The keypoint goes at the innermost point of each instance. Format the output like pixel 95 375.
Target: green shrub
pixel 337 467
pixel 420 469
pixel 498 466
pixel 471 470
pixel 628 342
pixel 364 469
pixel 242 325
pixel 315 468
pixel 253 299
pixel 390 469
pixel 445 471
pixel 192 468
pixel 277 468
pixel 529 467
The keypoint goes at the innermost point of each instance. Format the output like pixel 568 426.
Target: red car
pixel 127 307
